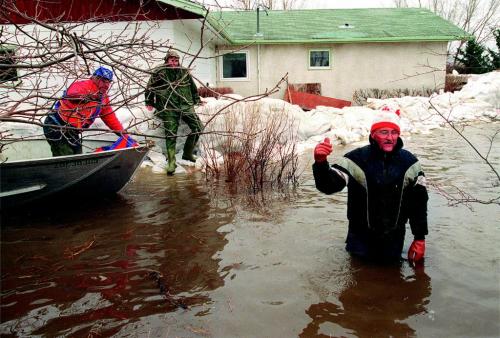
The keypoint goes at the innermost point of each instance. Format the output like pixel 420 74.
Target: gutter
pixel 315 41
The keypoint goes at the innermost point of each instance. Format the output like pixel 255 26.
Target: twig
pixel 71 253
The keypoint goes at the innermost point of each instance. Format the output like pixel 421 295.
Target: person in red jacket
pixel 80 105
pixel 386 189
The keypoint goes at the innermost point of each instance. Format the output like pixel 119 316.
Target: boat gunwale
pixel 65 158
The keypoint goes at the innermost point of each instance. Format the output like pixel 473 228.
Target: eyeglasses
pixel 386 133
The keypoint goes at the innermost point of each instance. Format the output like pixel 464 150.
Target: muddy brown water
pixel 173 257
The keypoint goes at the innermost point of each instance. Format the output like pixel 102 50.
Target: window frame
pixel 319 50
pixel 10 83
pixel 247 64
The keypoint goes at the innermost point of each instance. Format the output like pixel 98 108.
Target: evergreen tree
pixel 474 58
pixel 495 56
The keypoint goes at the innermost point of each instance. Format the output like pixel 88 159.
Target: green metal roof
pixel 187 5
pixel 4 47
pixel 329 26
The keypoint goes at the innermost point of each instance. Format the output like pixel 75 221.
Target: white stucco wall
pixel 187 38
pixel 353 66
pixel 181 34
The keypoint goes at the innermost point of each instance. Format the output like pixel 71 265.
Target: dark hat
pixel 172 54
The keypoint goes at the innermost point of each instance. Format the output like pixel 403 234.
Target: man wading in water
pixel 386 188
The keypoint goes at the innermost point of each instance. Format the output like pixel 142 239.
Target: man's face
pixel 102 84
pixel 386 138
pixel 173 62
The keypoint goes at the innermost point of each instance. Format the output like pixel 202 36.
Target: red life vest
pixel 83 103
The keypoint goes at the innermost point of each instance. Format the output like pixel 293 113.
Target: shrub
pixel 214 92
pixel 258 148
pixel 454 82
pixel 361 95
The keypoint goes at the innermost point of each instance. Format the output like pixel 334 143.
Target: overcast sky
pixel 346 3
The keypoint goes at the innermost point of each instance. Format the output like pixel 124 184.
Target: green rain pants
pixel 171 119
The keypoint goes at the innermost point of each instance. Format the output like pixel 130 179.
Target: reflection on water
pixel 375 303
pixel 451 162
pixel 177 257
pixel 150 251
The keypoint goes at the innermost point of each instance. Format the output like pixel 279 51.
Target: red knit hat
pixel 386 118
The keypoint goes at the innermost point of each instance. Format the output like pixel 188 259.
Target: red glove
pixel 417 250
pixel 322 150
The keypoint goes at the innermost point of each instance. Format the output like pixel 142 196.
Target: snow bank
pixel 479 99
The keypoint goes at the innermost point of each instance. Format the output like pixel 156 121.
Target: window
pixel 7 72
pixel 319 59
pixel 235 66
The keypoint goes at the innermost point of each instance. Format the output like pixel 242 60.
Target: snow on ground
pixel 479 99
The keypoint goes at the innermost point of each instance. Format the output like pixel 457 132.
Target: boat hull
pixel 101 173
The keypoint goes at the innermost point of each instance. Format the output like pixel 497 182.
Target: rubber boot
pixel 188 149
pixel 171 162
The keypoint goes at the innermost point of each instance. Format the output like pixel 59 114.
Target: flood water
pixel 173 257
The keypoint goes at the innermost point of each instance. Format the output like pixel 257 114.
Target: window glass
pixel 319 58
pixel 234 66
pixel 7 72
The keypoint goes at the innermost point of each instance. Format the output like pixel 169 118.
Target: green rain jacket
pixel 171 88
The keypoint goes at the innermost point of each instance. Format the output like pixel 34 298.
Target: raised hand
pixel 322 150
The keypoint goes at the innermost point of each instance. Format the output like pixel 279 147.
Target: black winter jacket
pixel 385 190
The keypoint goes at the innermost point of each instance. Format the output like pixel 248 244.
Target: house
pixel 174 23
pixel 338 50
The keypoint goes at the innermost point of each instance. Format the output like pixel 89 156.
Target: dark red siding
pixel 21 11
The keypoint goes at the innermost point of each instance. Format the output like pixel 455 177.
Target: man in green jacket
pixel 173 93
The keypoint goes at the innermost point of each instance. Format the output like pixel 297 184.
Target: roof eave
pixel 187 6
pixel 219 30
pixel 200 10
pixel 261 41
